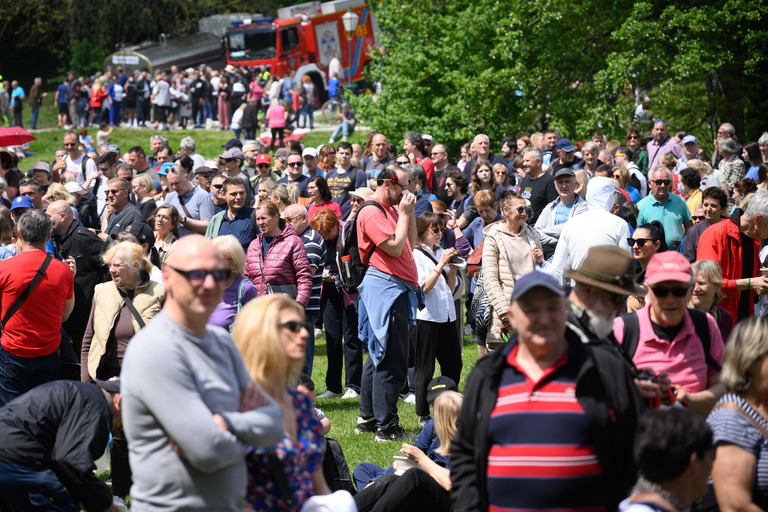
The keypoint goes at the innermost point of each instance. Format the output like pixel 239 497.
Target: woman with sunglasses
pixel 634 142
pixel 646 241
pixel 238 290
pixel 320 196
pixel 511 249
pixel 326 158
pixel 435 335
pixel 272 337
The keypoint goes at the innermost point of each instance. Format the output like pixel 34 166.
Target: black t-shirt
pixel 540 192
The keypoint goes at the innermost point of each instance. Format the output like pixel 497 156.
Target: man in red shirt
pixel 29 343
pixel 388 299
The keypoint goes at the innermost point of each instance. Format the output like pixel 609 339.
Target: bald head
pixel 296 215
pixel 61 216
pixel 189 248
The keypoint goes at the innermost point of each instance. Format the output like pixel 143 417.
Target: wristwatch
pixel 184 220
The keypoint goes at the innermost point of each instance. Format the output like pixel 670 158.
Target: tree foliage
pixel 459 67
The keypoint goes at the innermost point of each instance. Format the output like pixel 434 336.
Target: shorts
pixel 63 108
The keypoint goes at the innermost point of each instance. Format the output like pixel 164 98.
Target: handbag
pixel 481 304
pixel 475 260
pixel 290 290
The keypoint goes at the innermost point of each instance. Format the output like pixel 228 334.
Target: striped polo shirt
pixel 542 456
pixel 315 246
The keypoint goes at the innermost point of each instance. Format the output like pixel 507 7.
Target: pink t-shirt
pixel 373 228
pixel 683 359
pixel 314 208
pixel 276 115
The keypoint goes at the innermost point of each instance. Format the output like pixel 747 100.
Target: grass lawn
pixel 343 414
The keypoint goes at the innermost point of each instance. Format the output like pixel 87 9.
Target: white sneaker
pixel 318 333
pixel 350 394
pixel 410 399
pixel 328 394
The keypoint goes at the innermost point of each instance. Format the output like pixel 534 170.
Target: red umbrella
pixel 14 136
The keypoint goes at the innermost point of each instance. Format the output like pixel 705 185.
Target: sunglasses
pixel 639 241
pixel 524 210
pixel 663 291
pixel 402 162
pixel 296 326
pixel 661 182
pixel 103 169
pixel 617 175
pixel 294 164
pixel 633 137
pixel 659 121
pixel 698 217
pixel 198 275
pixel 263 166
pixel 70 144
pixel 436 229
pixel 115 190
pixel 227 160
pixel 218 186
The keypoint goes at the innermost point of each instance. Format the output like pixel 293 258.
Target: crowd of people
pixel 616 292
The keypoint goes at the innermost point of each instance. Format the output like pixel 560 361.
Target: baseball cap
pixel 309 152
pixel 165 168
pixel 438 385
pixel 263 158
pixel 142 232
pixel 233 153
pixel 426 136
pixel 565 171
pixel 668 266
pixel 565 144
pixel 110 386
pixel 536 279
pixel 22 202
pixel 204 170
pixel 688 139
pixel 233 143
pixel 113 148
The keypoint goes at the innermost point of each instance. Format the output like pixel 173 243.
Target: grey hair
pixel 727 145
pixel 260 146
pixel 35 227
pixel 757 205
pixel 662 168
pixel 188 143
pixel 763 140
pixel 157 136
pixel 537 154
pixel 589 146
pixel 415 172
pixel 728 127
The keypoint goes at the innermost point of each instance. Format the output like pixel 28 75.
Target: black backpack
pixel 631 334
pixel 351 266
pixel 335 468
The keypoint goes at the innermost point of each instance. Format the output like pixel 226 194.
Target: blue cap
pixel 164 168
pixel 565 144
pixel 158 186
pixel 534 280
pixel 22 202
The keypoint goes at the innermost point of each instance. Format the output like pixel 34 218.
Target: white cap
pixel 309 152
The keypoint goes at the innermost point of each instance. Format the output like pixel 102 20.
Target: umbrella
pixel 14 136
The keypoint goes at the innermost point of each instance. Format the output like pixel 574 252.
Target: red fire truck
pixel 304 38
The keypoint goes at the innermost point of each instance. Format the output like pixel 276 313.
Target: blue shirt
pixel 240 227
pixel 672 215
pixel 563 212
pixel 197 201
pixel 62 90
pixel 17 93
pixel 301 184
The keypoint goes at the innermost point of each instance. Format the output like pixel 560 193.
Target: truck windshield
pixel 249 45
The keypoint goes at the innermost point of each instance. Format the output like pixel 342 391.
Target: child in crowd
pixel 102 136
pixel 306 385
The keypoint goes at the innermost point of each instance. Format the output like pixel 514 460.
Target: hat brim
pixel 108 386
pixel 680 277
pixel 612 288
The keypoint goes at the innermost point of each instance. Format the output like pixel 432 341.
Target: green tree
pixel 457 68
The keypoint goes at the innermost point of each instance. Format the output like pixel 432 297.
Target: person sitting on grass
pixel 305 384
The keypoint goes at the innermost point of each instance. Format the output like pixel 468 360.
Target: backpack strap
pixel 631 333
pixel 701 324
pixel 132 309
pixel 240 295
pixel 377 205
pixel 27 291
pixel 442 272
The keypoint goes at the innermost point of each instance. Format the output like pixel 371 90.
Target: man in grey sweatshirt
pixel 190 408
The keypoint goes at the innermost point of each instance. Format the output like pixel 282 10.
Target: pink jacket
pixel 286 263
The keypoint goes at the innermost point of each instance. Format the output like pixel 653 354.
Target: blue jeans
pixel 308 111
pixel 114 113
pixel 310 317
pixel 20 374
pixel 380 385
pixel 345 128
pixel 35 114
pixel 23 489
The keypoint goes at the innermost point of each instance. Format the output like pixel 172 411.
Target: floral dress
pixel 300 460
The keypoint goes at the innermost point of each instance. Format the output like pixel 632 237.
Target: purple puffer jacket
pixel 286 263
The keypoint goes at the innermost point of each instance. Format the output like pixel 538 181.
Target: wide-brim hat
pixel 609 268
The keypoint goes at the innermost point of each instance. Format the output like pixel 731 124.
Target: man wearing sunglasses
pixel 121 213
pixel 669 342
pixel 77 163
pixel 294 166
pixel 233 159
pixel 669 209
pixel 188 426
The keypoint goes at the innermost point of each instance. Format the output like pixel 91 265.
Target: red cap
pixel 668 266
pixel 263 158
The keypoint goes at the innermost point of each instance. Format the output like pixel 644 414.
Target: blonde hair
pixel 146 182
pixel 56 192
pixel 65 178
pixel 229 248
pixel 710 271
pixel 257 335
pixel 446 408
pixel 288 193
pixel 748 343
pixel 668 160
pixel 132 252
pixel 624 175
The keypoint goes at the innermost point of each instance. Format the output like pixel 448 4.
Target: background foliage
pixel 459 67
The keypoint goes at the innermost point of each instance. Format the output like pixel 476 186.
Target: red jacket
pixel 286 262
pixel 721 243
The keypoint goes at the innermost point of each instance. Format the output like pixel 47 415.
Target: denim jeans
pixel 346 128
pixel 310 317
pixel 308 111
pixel 21 487
pixel 380 385
pixel 35 114
pixel 20 374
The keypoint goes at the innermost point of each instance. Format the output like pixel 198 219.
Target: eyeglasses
pixel 633 137
pixel 294 164
pixel 659 121
pixel 402 162
pixel 663 291
pixel 228 160
pixel 115 190
pixel 291 219
pixel 448 184
pixel 70 144
pixel 295 326
pixel 218 186
pixel 436 153
pixel 698 217
pixel 661 182
pixel 639 241
pixel 524 210
pixel 617 176
pixel 436 229
pixel 198 275
pixel 103 169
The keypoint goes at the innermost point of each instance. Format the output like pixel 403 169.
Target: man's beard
pixel 601 325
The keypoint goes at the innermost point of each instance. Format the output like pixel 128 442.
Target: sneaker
pixel 410 399
pixel 394 433
pixel 350 394
pixel 468 330
pixel 423 420
pixel 364 426
pixel 319 333
pixel 328 394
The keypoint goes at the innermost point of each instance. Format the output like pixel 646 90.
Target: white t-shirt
pixel 74 167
